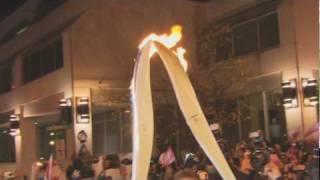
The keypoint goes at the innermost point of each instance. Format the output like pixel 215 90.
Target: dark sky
pixel 8 6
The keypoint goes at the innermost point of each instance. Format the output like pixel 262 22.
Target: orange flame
pixel 168 41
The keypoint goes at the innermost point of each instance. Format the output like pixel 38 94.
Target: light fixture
pixel 39 164
pixel 65 102
pixel 52 134
pixel 52 143
pixel 15 132
pixel 14 125
pixel 289 93
pixel 310 91
pixel 82 109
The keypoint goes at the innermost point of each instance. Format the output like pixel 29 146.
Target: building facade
pixel 66 65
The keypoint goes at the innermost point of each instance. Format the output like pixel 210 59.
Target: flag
pixel 167 158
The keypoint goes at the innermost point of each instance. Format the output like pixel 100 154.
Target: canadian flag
pixel 167 157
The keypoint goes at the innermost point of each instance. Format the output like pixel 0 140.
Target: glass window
pixel 269 31
pixel 51 142
pixel 5 77
pixel 7 150
pixel 245 38
pixel 46 6
pixel 251 113
pixel 43 61
pixel 7 143
pixel 111 132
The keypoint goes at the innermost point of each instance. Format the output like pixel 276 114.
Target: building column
pixel 26 145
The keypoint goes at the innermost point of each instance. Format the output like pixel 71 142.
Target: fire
pixel 169 41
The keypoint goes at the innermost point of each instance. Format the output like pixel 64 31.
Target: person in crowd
pixel 202 172
pixel 111 168
pixel 272 168
pixel 185 175
pixel 126 169
pixel 167 160
pixel 74 171
pixel 57 173
pixel 312 165
pixel 246 166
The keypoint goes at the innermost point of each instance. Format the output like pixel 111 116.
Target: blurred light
pixel 39 164
pixel 52 143
pixel 65 103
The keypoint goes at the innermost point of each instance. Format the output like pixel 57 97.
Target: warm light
pixel 168 41
pixel 52 143
pixel 39 164
pixel 65 102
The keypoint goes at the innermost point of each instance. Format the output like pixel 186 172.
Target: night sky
pixel 8 6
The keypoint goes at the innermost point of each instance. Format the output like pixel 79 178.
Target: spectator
pixel 185 175
pixel 272 169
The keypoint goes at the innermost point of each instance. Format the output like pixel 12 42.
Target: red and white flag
pixel 167 157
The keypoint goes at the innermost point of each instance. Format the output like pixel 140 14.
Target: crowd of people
pixel 255 159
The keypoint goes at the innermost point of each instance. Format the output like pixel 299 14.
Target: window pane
pixel 269 31
pixel 7 150
pixel 106 132
pixel 245 38
pixel 47 60
pixel 43 61
pixel 59 53
pixel 32 67
pixel 5 78
pixel 127 133
pixel 251 113
pixel 113 135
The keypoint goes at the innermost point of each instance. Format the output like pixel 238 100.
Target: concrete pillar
pixel 305 19
pixel 26 145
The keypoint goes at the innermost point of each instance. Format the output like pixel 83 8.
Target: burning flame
pixel 168 41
